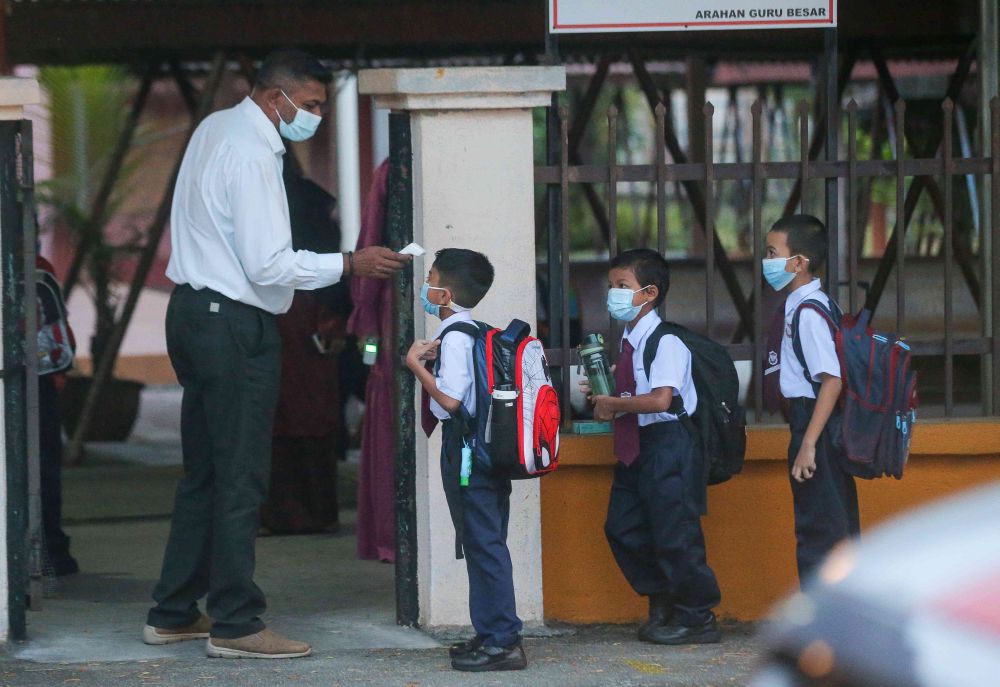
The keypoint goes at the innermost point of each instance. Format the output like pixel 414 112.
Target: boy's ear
pixel 653 291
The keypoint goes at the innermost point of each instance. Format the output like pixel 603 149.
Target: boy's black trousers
pixel 227 356
pixel 654 523
pixel 826 505
pixel 481 512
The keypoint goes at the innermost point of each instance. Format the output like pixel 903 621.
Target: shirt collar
pixel 800 294
pixel 262 124
pixel 642 328
pixel 464 316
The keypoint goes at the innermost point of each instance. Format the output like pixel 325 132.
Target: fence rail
pixel 934 173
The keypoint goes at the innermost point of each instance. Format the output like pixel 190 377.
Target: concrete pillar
pixel 15 94
pixel 473 187
pixel 348 167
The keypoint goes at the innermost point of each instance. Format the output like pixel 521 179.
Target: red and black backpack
pixel 515 433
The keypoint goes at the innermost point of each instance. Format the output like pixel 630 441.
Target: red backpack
pixel 878 403
pixel 515 433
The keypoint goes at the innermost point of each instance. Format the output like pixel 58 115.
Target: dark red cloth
pixel 771 386
pixel 626 424
pixel 303 492
pixel 309 399
pixel 373 316
pixel 428 421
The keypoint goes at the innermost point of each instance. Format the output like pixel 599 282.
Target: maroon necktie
pixel 626 424
pixel 427 419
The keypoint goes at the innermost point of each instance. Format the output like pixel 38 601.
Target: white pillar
pixel 15 93
pixel 473 187
pixel 348 161
pixel 380 134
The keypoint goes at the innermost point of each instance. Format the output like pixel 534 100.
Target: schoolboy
pixel 654 515
pixel 823 495
pixel 457 282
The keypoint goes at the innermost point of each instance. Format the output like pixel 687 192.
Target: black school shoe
pixel 676 634
pixel 661 610
pixel 466 647
pixel 490 658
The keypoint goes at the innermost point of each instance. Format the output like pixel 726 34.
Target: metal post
pixel 832 107
pixel 399 232
pixel 555 209
pixel 988 71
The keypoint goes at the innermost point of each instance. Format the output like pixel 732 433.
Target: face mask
pixel 433 308
pixel 620 304
pixel 775 274
pixel 303 126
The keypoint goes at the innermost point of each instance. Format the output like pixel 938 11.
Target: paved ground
pixel 88 630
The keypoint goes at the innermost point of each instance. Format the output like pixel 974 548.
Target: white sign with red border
pixel 607 16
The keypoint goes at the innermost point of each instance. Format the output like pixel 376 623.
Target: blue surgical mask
pixel 433 308
pixel 620 304
pixel 775 273
pixel 303 126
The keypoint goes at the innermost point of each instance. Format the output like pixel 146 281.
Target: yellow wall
pixel 749 524
pixel 148 369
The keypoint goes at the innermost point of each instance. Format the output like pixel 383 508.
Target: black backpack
pixel 719 423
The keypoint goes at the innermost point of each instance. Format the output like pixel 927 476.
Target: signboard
pixel 607 16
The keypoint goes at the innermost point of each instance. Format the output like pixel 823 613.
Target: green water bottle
pixel 595 364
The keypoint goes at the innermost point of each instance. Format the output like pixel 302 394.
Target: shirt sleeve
pixel 454 378
pixel 671 366
pixel 263 236
pixel 818 347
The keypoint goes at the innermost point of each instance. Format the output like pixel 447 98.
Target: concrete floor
pixel 117 508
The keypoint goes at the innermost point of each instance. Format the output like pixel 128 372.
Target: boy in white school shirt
pixel 458 280
pixel 654 514
pixel 824 496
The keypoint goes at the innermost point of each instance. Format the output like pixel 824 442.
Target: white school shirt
pixel 670 367
pixel 818 347
pixel 455 374
pixel 229 226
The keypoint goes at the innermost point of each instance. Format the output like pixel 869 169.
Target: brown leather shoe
pixel 264 644
pixel 199 629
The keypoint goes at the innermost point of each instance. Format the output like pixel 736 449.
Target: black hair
pixel 467 273
pixel 806 236
pixel 649 267
pixel 283 68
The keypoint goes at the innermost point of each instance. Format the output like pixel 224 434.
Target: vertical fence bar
pixel 709 111
pixel 947 181
pixel 564 369
pixel 758 243
pixel 661 185
pixel 831 184
pixel 900 231
pixel 803 109
pixel 995 257
pixel 613 174
pixel 855 234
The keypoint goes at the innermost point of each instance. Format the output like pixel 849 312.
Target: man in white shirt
pixel 235 269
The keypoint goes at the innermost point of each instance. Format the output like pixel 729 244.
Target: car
pixel 914 603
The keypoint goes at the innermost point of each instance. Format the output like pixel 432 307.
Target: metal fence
pixel 934 171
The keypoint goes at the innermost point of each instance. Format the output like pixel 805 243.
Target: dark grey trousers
pixel 227 356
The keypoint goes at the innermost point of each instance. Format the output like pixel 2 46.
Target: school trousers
pixel 227 356
pixel 826 505
pixel 481 514
pixel 654 523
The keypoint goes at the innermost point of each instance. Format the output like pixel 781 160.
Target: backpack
pixel 56 344
pixel 719 421
pixel 878 402
pixel 515 433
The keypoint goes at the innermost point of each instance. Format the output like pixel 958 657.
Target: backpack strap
pixel 470 328
pixel 649 350
pixel 832 314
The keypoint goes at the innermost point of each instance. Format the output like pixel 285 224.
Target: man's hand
pixel 804 466
pixel 420 352
pixel 603 411
pixel 379 262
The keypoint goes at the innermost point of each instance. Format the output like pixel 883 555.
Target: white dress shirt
pixel 229 227
pixel 670 367
pixel 455 374
pixel 818 347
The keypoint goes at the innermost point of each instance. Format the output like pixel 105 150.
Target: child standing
pixel 823 494
pixel 654 515
pixel 457 282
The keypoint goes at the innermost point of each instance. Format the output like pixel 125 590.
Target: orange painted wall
pixel 749 525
